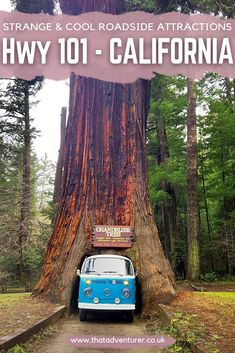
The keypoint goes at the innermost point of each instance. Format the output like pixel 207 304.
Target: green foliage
pixel 138 5
pixel 223 7
pixel 216 156
pixel 45 182
pixel 209 277
pixel 12 135
pixel 216 171
pixel 226 297
pixel 40 224
pixel 168 113
pixel 12 108
pixel 16 349
pixel 177 347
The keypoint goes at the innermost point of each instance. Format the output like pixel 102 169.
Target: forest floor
pixel 215 286
pixel 20 310
pixel 55 339
pixel 206 318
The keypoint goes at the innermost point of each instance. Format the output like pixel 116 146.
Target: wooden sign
pixel 112 237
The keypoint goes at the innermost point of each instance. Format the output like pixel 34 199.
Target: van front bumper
pixel 91 306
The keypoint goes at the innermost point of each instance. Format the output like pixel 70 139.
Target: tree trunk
pixel 192 192
pixel 169 211
pixel 105 182
pixel 59 167
pixel 208 223
pixel 25 202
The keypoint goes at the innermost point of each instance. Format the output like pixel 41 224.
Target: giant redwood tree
pixel 105 181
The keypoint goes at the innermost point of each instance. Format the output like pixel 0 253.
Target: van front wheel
pixel 82 314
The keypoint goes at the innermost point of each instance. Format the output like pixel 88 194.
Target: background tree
pixel 45 182
pixel 59 167
pixel 167 165
pixel 41 190
pixel 216 173
pixel 15 107
pixel 216 129
pixel 192 186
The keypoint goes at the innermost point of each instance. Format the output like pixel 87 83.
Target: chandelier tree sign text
pixel 112 237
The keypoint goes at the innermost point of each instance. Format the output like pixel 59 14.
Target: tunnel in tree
pixel 105 181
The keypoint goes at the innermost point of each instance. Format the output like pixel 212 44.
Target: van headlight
pixel 87 292
pixel 126 292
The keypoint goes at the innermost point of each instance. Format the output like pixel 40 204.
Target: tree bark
pixel 192 187
pixel 25 203
pixel 59 167
pixel 105 182
pixel 207 213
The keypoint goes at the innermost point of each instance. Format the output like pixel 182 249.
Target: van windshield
pixel 108 266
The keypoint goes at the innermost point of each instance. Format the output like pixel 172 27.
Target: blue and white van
pixel 107 282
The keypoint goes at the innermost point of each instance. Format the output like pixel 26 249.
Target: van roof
pixel 108 256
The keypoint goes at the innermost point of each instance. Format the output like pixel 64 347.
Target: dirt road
pixel 97 325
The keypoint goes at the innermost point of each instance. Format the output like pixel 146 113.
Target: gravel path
pixel 97 325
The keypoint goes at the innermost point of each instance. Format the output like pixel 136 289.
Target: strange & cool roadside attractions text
pixel 115 48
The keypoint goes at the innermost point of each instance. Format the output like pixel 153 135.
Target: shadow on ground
pixel 98 316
